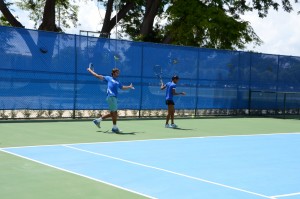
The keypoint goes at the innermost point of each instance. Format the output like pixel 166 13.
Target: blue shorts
pixel 112 103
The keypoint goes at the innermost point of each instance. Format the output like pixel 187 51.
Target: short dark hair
pixel 114 70
pixel 175 77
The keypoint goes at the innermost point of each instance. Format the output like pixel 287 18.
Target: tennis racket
pixel 157 69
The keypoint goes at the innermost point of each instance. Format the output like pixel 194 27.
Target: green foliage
pixel 208 25
pixel 132 22
pixel 3 21
pixel 211 24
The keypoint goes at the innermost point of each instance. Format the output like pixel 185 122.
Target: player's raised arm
pixel 162 86
pixel 95 74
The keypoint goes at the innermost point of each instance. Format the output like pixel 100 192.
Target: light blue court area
pixel 230 167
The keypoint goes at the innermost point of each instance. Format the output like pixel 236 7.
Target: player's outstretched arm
pixel 95 74
pixel 128 87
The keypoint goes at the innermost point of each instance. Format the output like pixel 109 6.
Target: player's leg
pixel 172 115
pixel 167 118
pixel 170 104
pixel 168 115
pixel 113 106
pixel 172 111
pixel 173 125
pixel 99 120
pixel 108 115
pixel 114 116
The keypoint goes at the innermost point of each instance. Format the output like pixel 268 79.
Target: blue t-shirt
pixel 169 92
pixel 112 86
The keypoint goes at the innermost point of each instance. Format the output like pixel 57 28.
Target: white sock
pixel 100 119
pixel 115 126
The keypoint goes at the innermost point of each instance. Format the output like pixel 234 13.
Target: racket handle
pixel 91 66
pixel 161 82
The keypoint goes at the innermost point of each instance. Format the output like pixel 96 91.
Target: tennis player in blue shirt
pixel 170 92
pixel 113 84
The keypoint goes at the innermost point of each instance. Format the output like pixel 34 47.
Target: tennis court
pixel 204 158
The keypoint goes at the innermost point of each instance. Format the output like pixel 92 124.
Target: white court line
pixel 85 176
pixel 286 195
pixel 168 171
pixel 182 138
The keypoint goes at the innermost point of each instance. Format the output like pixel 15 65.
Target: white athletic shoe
pixel 168 126
pixel 97 122
pixel 116 130
pixel 174 126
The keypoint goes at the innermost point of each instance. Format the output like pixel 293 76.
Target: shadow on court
pixel 183 129
pixel 121 133
pixel 127 133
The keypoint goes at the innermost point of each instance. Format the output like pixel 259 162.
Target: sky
pixel 279 31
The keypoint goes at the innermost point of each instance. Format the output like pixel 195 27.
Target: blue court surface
pixel 228 167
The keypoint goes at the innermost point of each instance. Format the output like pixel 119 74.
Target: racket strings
pixel 158 71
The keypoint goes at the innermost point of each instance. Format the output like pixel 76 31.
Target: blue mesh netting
pixel 44 70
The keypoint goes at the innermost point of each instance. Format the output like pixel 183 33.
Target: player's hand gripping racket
pixel 158 72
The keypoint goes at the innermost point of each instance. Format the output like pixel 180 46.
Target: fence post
pixel 249 101
pixel 250 84
pixel 141 80
pixel 197 84
pixel 284 105
pixel 75 78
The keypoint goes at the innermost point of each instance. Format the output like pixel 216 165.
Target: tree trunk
pixel 108 23
pixel 48 22
pixel 151 11
pixel 9 17
pixel 105 32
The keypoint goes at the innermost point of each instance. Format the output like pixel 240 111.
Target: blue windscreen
pixel 46 71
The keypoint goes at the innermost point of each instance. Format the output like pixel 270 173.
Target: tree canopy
pixel 201 23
